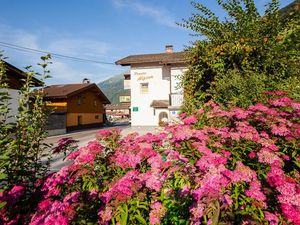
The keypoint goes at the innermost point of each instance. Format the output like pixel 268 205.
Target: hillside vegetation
pixel 112 87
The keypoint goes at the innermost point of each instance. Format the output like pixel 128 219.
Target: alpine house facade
pixel 154 82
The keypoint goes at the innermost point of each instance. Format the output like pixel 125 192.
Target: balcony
pixel 176 100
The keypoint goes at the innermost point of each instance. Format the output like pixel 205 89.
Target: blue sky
pixel 101 30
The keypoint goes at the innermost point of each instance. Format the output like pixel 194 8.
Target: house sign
pixel 140 73
pixel 142 78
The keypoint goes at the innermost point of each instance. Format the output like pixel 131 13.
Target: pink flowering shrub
pixel 238 166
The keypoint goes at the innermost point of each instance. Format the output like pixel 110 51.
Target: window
pixel 95 102
pixel 124 98
pixel 144 88
pixel 79 100
pixel 97 117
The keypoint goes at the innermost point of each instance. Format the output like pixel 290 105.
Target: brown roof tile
pixel 118 106
pixel 160 104
pixel 162 58
pixel 67 90
pixel 126 93
pixel 13 71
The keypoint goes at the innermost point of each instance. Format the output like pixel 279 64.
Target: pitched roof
pixel 18 74
pixel 161 58
pixel 126 93
pixel 160 104
pixel 294 6
pixel 118 106
pixel 67 90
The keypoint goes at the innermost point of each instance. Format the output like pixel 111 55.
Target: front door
pixel 79 120
pixel 162 118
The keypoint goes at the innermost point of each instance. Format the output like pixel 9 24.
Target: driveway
pixel 86 136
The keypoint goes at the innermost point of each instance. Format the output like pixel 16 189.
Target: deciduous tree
pixel 240 57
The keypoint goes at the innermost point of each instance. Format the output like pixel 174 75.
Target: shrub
pixel 21 147
pixel 242 56
pixel 237 166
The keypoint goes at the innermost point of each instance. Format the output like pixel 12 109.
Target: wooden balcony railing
pixel 176 99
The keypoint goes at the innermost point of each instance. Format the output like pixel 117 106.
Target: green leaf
pixel 3 176
pixel 2 204
pixel 140 218
pixel 296 163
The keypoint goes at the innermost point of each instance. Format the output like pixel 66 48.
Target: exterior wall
pixel 86 118
pixel 87 103
pixel 13 105
pixel 176 93
pixel 163 81
pixel 127 84
pixel 56 124
pixel 158 88
pixel 90 109
pixel 174 115
pixel 176 73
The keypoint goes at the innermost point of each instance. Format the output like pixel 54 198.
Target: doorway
pixel 79 120
pixel 162 117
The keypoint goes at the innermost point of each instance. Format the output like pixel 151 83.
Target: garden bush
pixel 237 166
pixel 24 157
pixel 242 55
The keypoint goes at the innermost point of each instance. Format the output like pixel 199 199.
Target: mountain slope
pixel 112 87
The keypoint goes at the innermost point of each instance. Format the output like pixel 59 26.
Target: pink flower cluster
pixel 289 192
pixel 56 212
pixel 242 164
pixel 156 213
pixel 13 195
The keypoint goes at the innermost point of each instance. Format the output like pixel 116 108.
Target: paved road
pixel 86 136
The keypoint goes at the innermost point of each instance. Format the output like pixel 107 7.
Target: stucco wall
pixel 13 105
pixel 162 80
pixel 176 73
pixel 158 90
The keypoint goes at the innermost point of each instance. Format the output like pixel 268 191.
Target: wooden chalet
pixel 75 106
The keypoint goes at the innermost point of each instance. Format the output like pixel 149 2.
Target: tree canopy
pixel 240 57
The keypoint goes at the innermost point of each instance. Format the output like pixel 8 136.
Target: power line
pixel 31 50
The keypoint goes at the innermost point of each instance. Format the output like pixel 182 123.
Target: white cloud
pixel 21 38
pixel 62 70
pixel 63 73
pixel 80 47
pixel 74 72
pixel 18 36
pixel 161 16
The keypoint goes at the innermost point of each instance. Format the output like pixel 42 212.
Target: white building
pixel 155 93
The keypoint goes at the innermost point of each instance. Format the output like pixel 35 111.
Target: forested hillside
pixel 112 87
